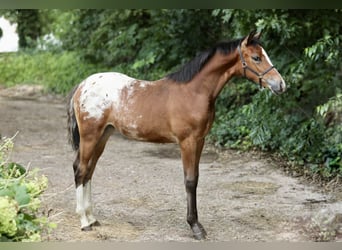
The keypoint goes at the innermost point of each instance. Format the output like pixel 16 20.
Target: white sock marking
pixel 88 203
pixel 80 209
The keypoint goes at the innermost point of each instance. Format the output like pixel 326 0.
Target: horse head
pixel 257 66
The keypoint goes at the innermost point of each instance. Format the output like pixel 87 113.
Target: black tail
pixel 73 133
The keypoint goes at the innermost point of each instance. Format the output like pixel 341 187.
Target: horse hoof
pixel 95 224
pixel 199 236
pixel 199 231
pixel 87 228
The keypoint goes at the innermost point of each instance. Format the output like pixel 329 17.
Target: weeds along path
pixel 138 190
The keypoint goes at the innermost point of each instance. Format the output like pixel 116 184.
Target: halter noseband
pixel 245 67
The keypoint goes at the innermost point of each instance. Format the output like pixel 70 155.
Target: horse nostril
pixel 282 86
pixel 277 86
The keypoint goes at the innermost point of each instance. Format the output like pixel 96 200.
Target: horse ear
pixel 250 37
pixel 258 35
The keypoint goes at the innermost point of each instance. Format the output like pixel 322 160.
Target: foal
pixel 179 108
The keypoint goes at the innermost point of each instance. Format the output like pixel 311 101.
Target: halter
pixel 245 67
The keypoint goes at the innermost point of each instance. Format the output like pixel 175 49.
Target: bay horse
pixel 178 108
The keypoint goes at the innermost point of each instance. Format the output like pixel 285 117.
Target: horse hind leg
pixel 93 161
pixel 92 221
pixel 83 199
pixel 91 152
pixel 80 170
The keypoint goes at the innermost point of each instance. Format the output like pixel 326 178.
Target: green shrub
pixel 58 72
pixel 20 192
pixel 273 124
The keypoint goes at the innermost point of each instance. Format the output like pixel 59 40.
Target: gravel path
pixel 138 190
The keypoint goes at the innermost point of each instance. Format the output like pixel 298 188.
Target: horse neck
pixel 215 74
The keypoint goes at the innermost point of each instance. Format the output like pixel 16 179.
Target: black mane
pixel 187 72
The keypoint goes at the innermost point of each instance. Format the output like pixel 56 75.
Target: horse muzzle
pixel 277 87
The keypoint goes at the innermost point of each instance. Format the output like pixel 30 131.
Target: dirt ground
pixel 138 191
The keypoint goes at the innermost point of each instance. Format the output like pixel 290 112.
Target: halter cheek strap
pixel 246 67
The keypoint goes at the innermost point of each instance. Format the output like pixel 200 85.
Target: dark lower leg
pixel 191 152
pixel 192 217
pixel 76 167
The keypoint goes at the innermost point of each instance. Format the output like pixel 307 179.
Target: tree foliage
pixel 141 40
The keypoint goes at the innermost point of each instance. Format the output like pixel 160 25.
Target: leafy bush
pixel 146 43
pixel 20 192
pixel 313 141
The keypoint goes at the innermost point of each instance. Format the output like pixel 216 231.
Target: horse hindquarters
pixel 88 139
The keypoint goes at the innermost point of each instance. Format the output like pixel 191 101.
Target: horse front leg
pixel 191 150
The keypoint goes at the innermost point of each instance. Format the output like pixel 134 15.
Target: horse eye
pixel 256 58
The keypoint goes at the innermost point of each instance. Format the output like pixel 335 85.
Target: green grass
pixel 57 72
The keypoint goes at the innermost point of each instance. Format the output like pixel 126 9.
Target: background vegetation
pixel 303 125
pixel 20 191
